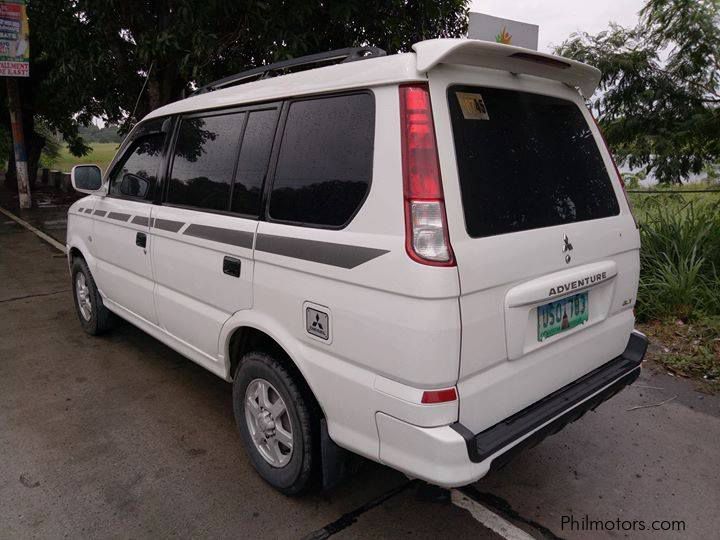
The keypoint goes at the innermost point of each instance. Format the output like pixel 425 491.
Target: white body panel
pixel 194 297
pixel 397 328
pixel 124 270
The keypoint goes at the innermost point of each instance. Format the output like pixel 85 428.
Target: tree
pixel 120 59
pixel 659 97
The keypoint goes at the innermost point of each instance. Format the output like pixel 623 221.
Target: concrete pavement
pixel 119 436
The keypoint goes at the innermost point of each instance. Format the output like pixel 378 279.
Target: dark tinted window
pixel 525 161
pixel 325 162
pixel 204 161
pixel 253 162
pixel 135 176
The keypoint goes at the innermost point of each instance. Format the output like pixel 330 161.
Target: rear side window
pixel 525 161
pixel 325 162
pixel 136 174
pixel 204 161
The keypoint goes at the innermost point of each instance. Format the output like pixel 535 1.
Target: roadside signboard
pixel 14 39
pixel 509 32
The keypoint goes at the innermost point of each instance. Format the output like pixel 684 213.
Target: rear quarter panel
pixel 390 318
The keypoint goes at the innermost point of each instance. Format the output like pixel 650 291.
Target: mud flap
pixel 337 463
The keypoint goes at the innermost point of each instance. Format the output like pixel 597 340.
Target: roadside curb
pixel 44 236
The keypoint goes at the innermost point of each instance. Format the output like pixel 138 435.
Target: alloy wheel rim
pixel 82 293
pixel 268 422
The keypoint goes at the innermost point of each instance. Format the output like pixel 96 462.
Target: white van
pixel 426 259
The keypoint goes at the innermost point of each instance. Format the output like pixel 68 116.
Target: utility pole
pixel 21 165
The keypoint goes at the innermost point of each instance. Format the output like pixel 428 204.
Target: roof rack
pixel 339 56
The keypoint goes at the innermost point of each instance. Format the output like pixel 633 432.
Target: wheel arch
pixel 240 336
pixel 74 252
pixel 76 247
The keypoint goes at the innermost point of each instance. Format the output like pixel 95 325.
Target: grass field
pixel 680 257
pixel 102 154
pixel 678 302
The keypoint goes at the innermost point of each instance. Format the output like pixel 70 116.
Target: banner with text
pixel 14 40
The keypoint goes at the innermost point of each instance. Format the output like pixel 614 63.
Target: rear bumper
pixel 453 455
pixel 552 413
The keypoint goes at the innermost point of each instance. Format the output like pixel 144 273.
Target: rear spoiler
pixel 473 52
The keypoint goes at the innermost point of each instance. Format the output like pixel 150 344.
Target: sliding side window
pixel 204 161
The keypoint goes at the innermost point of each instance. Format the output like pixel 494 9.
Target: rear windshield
pixel 525 161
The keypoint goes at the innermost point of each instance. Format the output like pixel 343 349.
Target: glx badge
pixel 567 247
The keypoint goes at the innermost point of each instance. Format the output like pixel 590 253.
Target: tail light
pixel 617 171
pixel 439 396
pixel 426 231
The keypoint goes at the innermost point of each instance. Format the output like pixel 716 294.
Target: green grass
pixel 101 154
pixel 680 256
pixel 679 291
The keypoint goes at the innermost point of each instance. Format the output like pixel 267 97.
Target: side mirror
pixel 86 178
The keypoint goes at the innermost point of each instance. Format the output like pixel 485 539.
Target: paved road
pixel 121 437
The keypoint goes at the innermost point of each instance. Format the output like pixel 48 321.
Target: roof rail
pixel 339 56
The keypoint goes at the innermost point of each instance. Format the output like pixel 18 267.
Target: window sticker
pixel 472 105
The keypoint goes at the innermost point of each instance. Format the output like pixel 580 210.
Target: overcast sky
pixel 560 18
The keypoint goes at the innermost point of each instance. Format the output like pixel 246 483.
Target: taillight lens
pixel 426 238
pixel 617 171
pixel 428 230
pixel 439 396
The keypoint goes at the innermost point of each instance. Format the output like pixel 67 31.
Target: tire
pixel 94 317
pixel 294 471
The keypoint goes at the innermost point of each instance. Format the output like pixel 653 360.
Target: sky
pixel 560 18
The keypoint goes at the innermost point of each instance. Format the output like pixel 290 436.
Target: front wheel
pixel 94 316
pixel 277 422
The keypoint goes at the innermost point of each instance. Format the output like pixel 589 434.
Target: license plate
pixel 562 315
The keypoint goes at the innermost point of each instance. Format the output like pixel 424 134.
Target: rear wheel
pixel 278 423
pixel 94 317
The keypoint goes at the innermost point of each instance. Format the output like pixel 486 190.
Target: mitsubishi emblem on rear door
pixel 567 247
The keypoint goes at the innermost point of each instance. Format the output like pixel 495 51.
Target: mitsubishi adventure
pixel 426 259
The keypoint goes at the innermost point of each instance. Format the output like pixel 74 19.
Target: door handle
pixel 231 266
pixel 141 239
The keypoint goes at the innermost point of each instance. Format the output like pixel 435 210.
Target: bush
pixel 679 259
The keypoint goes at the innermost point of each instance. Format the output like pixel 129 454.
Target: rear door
pixel 203 233
pixel 537 215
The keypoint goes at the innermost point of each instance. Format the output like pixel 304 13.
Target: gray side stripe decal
pixel 141 220
pixel 217 234
pixel 119 216
pixel 340 255
pixel 167 224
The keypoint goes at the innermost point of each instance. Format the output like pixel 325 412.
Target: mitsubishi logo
pixel 567 247
pixel 317 323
